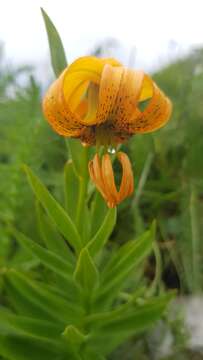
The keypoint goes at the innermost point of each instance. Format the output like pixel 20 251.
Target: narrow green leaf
pixel 22 305
pixel 71 187
pixel 86 274
pixel 51 237
pixel 22 260
pixel 10 323
pixel 33 299
pixel 75 201
pixel 58 57
pixel 109 333
pixel 122 263
pixel 79 156
pixel 48 258
pixel 86 225
pixel 21 347
pixel 102 235
pixel 54 210
pixel 98 212
pixel 73 336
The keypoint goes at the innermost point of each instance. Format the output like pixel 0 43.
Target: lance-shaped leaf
pixel 76 340
pixel 71 189
pixel 86 274
pixel 47 257
pixel 22 347
pixel 102 235
pixel 33 299
pixel 73 335
pixel 12 323
pixel 98 212
pixel 121 264
pixel 58 57
pixel 110 329
pixel 86 226
pixel 54 210
pixel 79 155
pixel 51 236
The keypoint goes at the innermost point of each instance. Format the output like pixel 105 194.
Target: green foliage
pixel 71 181
pixel 55 211
pixel 86 274
pixel 104 232
pixel 50 236
pixel 85 304
pixel 25 138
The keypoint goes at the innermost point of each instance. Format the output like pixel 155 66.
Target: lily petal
pixel 108 91
pixel 127 97
pixel 109 182
pixel 96 175
pixel 58 114
pixel 93 100
pixel 127 182
pixel 147 89
pixel 82 72
pixel 156 114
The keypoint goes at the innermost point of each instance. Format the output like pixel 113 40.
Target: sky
pixel 154 31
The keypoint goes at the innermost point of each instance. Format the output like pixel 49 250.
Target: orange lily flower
pixel 97 101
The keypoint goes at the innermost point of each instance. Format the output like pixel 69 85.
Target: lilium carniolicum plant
pixel 97 101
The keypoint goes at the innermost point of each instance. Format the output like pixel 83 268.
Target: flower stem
pixel 81 203
pixel 143 179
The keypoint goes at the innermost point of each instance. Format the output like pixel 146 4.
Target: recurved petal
pixel 80 76
pixel 156 114
pixel 96 175
pixel 58 114
pixel 147 88
pixel 109 182
pixel 92 100
pixel 127 97
pixel 92 64
pixel 127 182
pixel 108 91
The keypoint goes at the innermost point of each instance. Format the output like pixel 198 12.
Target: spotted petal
pixel 156 114
pixel 58 114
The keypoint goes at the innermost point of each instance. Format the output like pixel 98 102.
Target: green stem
pixel 81 203
pixel 143 179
